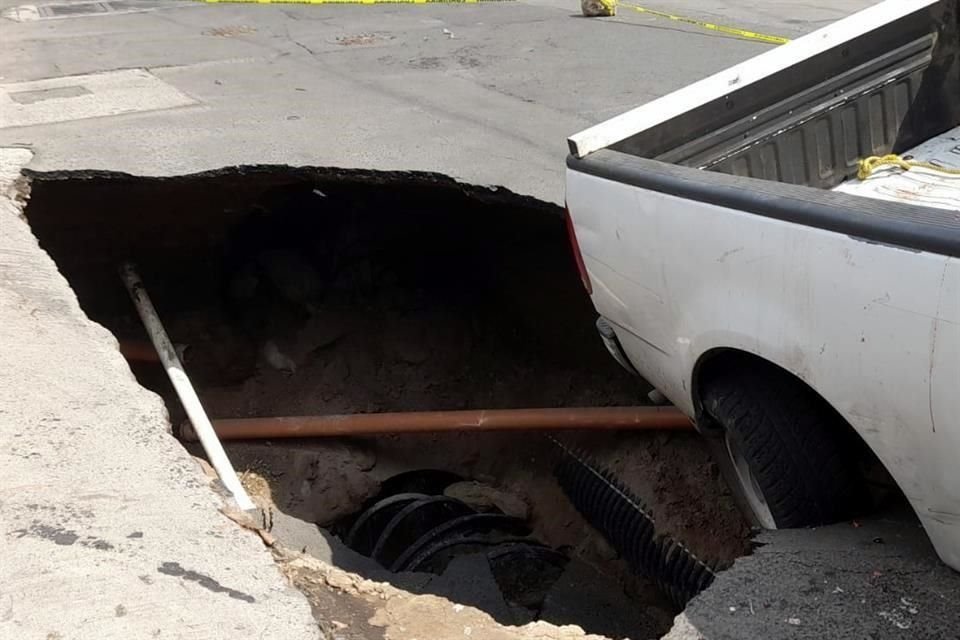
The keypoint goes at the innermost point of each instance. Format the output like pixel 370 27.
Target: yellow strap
pixel 733 31
pixel 868 166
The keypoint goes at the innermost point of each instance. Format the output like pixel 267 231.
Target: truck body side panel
pixel 871 327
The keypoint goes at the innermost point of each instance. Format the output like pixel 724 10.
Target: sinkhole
pixel 312 291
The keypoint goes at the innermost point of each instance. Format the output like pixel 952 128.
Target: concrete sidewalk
pixel 110 529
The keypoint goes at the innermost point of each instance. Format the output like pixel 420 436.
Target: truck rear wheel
pixel 783 450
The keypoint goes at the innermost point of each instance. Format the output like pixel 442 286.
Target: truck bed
pixel 782 135
pixel 882 81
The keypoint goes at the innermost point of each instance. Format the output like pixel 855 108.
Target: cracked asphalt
pixel 877 579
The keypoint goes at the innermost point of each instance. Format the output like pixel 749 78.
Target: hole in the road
pixel 311 291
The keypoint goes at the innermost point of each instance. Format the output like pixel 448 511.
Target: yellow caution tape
pixel 733 31
pixel 610 4
pixel 351 1
pixel 867 166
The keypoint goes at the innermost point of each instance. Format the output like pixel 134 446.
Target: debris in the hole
pixel 436 557
pixel 395 613
pixel 363 535
pixel 475 522
pixel 413 521
pixel 626 523
pixel 277 359
pixel 437 533
pixel 526 573
pixel 483 497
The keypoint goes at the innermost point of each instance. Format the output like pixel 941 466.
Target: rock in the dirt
pixel 258 487
pixel 683 629
pixel 524 574
pixel 317 482
pixel 484 497
pixel 277 358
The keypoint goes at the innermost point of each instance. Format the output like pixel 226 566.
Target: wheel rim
pixel 749 487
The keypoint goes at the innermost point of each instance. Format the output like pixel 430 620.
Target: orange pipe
pixel 144 351
pixel 138 351
pixel 367 424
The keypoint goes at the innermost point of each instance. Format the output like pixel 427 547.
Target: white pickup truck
pixel 793 309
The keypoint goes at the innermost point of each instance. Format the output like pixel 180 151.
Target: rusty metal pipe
pixel 138 351
pixel 367 424
pixel 143 351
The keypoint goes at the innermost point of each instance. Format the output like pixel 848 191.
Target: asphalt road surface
pixel 486 93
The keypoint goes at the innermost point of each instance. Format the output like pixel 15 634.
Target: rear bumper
pixel 612 343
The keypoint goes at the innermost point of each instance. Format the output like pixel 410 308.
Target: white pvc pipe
pixel 191 403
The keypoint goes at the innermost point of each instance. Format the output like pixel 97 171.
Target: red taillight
pixel 577 256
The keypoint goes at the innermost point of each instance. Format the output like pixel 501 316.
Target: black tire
pixel 798 449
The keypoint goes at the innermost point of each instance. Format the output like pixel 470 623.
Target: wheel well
pixel 724 362
pixel 730 362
